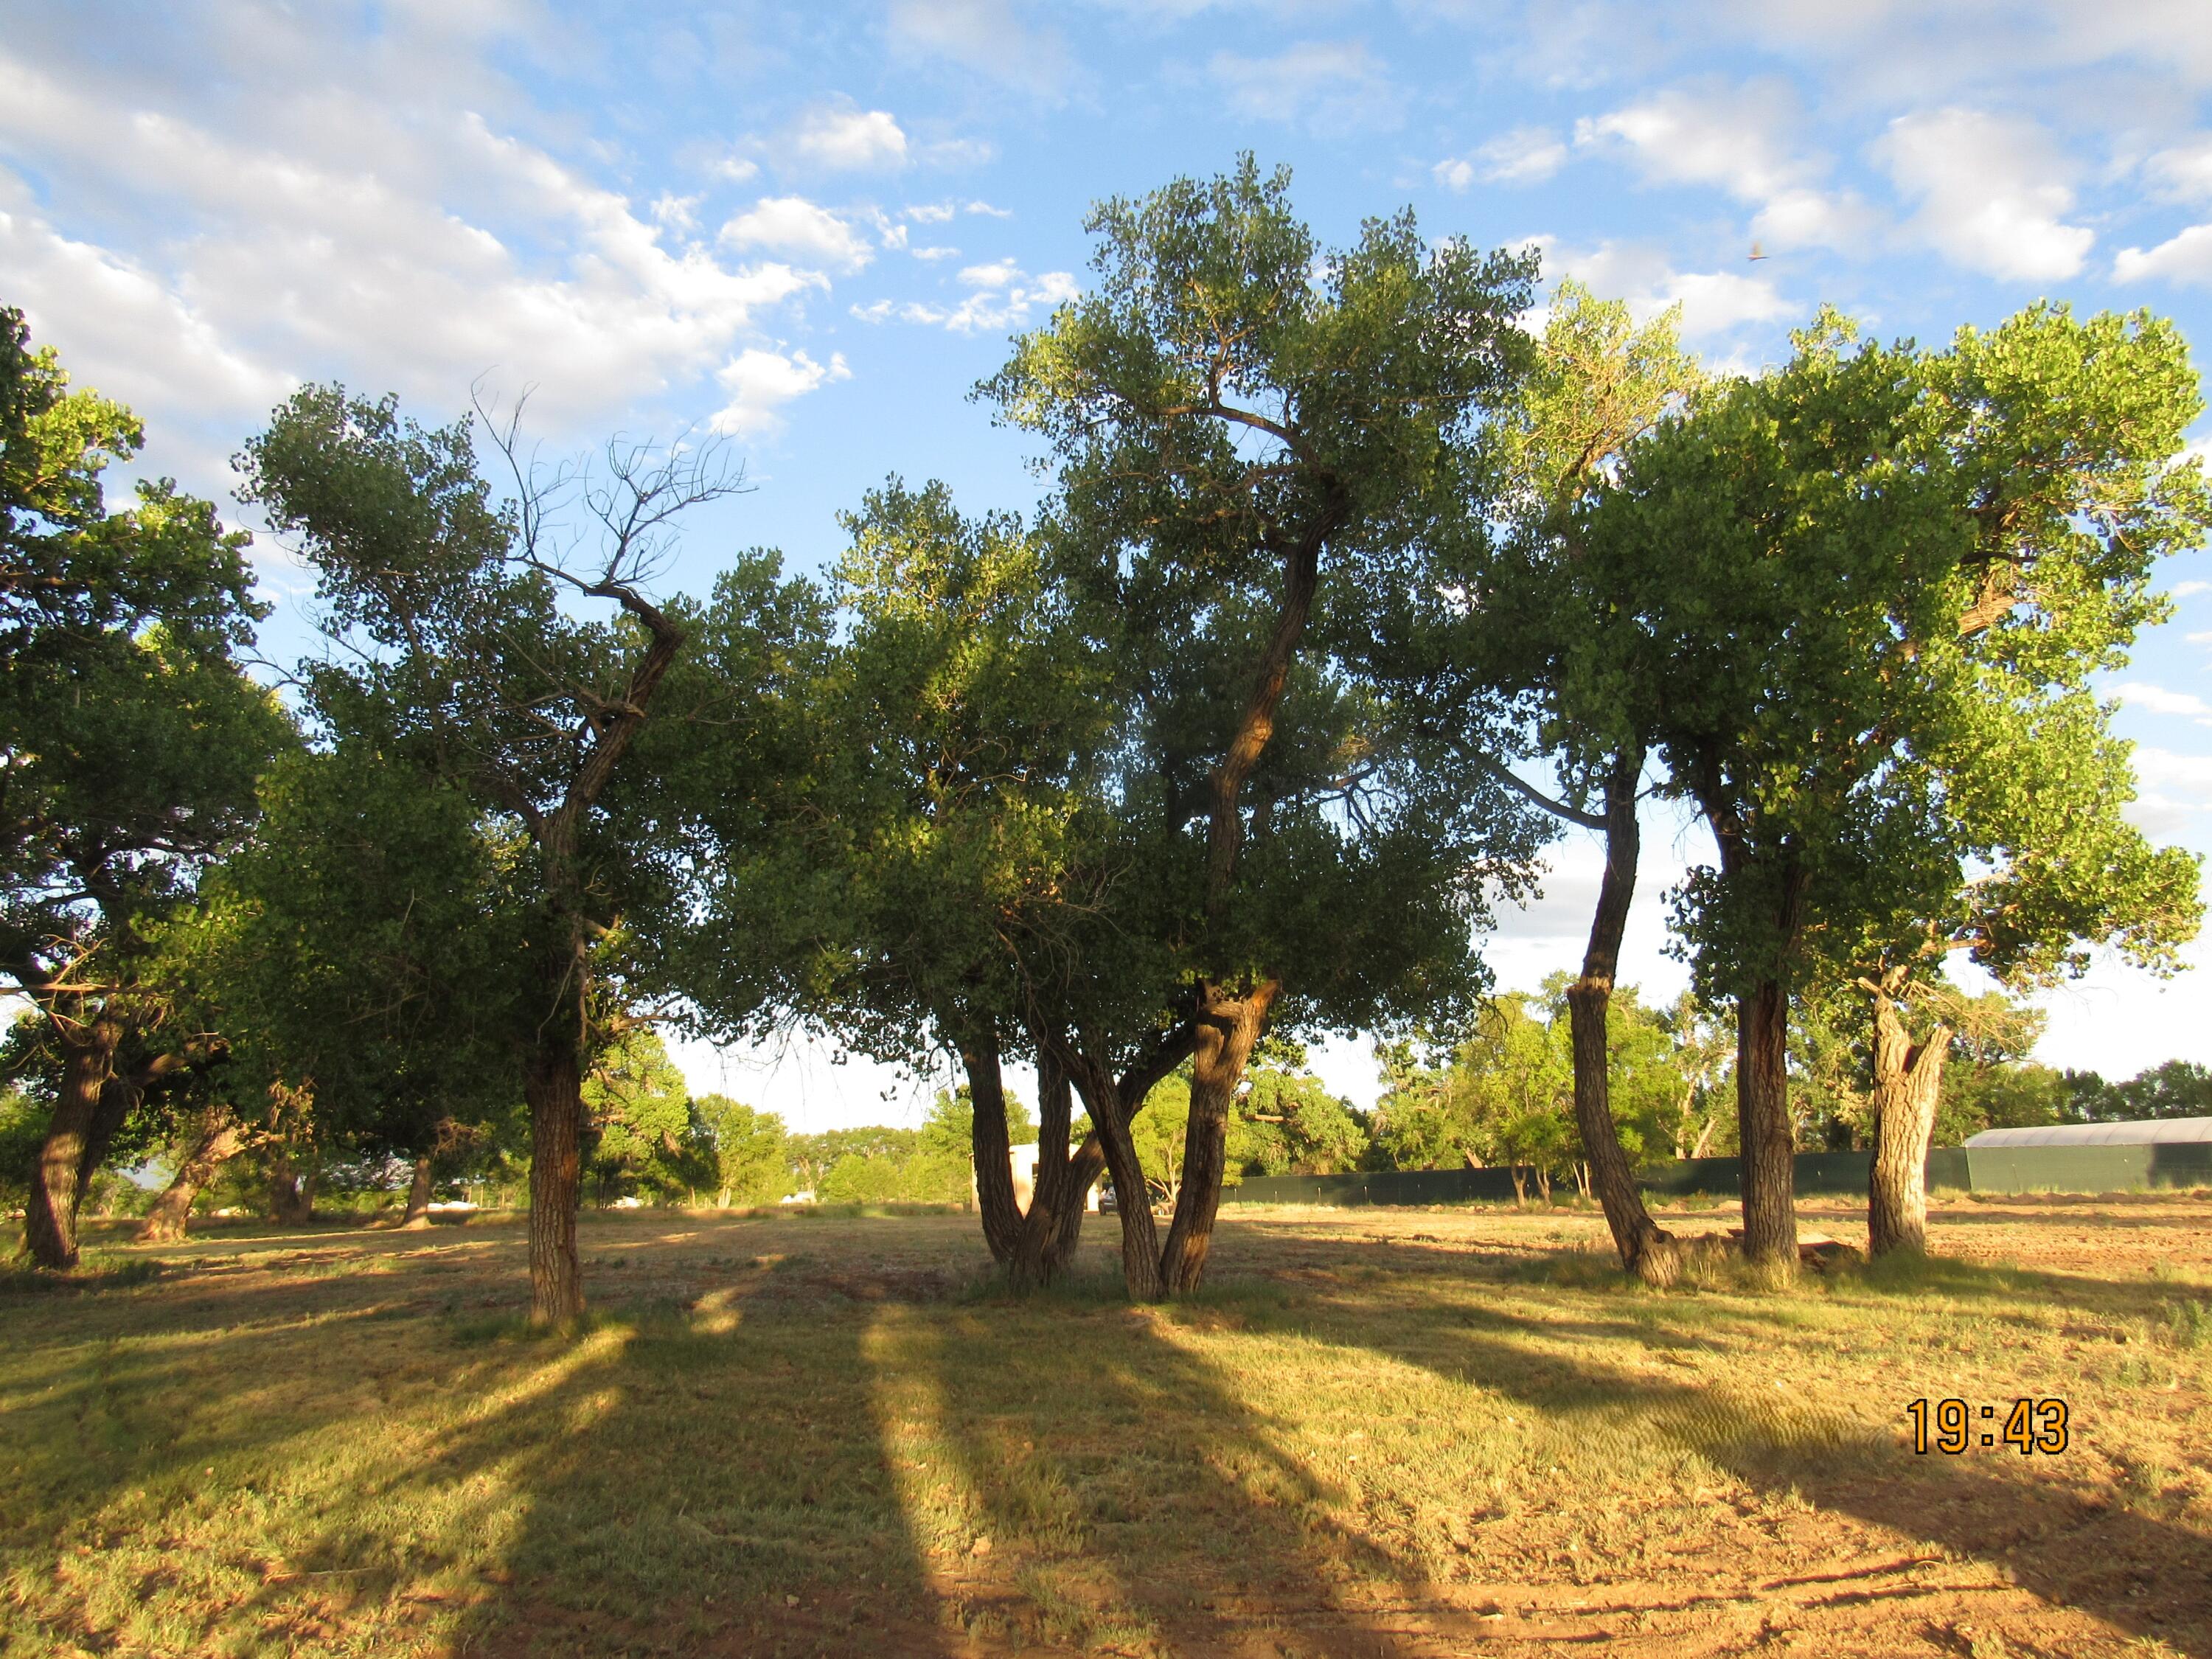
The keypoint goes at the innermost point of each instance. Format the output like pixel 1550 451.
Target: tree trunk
pixel 552 1084
pixel 1908 1082
pixel 217 1138
pixel 1520 1175
pixel 989 1140
pixel 1229 1027
pixel 1053 1225
pixel 1544 1182
pixel 1646 1250
pixel 418 1194
pixel 1769 1149
pixel 291 1191
pixel 66 1157
pixel 1133 1203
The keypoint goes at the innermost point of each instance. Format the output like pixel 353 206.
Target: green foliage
pixel 750 1150
pixel 2180 1088
pixel 646 1142
pixel 1288 1123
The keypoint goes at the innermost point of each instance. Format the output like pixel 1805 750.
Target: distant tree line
pixel 1351 591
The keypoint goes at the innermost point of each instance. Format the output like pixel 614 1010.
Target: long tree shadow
pixel 337 1466
pixel 2070 1545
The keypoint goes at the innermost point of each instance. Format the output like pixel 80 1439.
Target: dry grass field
pixel 1379 1432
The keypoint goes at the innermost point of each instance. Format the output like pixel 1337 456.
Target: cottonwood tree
pixel 1516 643
pixel 946 751
pixel 1241 429
pixel 130 739
pixel 2000 835
pixel 1890 572
pixel 1773 550
pixel 512 656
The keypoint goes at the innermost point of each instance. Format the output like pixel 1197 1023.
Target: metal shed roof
pixel 2151 1132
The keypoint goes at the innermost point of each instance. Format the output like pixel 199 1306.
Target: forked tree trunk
pixel 989 1141
pixel 552 1084
pixel 1229 1027
pixel 1769 1151
pixel 1908 1082
pixel 418 1194
pixel 1646 1250
pixel 1053 1225
pixel 217 1137
pixel 69 1153
pixel 291 1191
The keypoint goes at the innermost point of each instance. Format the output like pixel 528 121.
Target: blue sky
pixel 813 228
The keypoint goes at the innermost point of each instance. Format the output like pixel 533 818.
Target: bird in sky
pixel 1758 253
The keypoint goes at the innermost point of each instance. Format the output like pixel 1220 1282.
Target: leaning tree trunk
pixel 418 1194
pixel 69 1151
pixel 1768 1151
pixel 990 1143
pixel 1229 1027
pixel 1053 1224
pixel 552 1085
pixel 1646 1250
pixel 1908 1081
pixel 217 1137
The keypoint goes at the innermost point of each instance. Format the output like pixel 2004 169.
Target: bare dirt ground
pixel 1379 1431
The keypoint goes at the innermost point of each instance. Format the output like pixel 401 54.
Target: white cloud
pixel 2157 700
pixel 987 210
pixel 2173 791
pixel 2185 258
pixel 1326 85
pixel 846 139
pixel 736 168
pixel 463 252
pixel 1992 190
pixel 1731 138
pixel 759 383
pixel 1005 298
pixel 2184 590
pixel 1526 155
pixel 2198 638
pixel 674 212
pixel 930 213
pixel 934 252
pixel 794 225
pixel 2185 171
pixel 1713 302
pixel 1811 218
pixel 984 35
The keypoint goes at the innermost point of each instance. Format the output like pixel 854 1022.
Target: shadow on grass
pixel 2069 1544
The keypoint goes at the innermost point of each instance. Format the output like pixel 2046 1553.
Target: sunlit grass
pixel 782 1433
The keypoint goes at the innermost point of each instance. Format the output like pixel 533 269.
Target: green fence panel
pixel 1820 1175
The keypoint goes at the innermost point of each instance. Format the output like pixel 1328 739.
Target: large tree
pixel 1246 432
pixel 130 741
pixel 509 653
pixel 1517 644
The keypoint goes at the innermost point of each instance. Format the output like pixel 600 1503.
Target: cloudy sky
pixel 813 227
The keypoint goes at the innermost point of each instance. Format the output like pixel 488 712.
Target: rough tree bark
pixel 552 1085
pixel 989 1140
pixel 69 1154
pixel 1768 1150
pixel 1646 1250
pixel 291 1191
pixel 1112 1103
pixel 1053 1225
pixel 1908 1080
pixel 418 1194
pixel 1229 1026
pixel 217 1138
